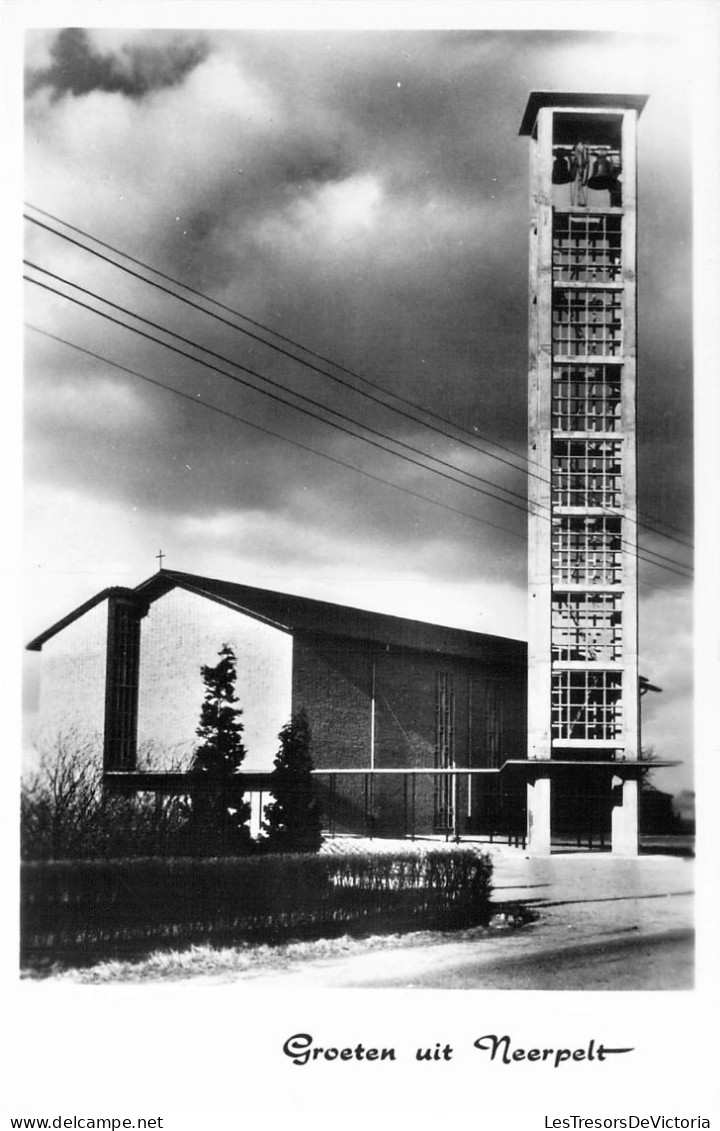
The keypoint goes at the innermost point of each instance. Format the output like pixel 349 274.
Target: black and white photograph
pixel 363 387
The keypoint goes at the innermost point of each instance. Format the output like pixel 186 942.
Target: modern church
pixel 421 729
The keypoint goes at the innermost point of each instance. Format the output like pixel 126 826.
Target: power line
pixel 238 314
pixel 401 443
pixel 276 333
pixel 300 396
pixel 270 345
pixel 263 392
pixel 84 290
pixel 298 444
pixel 269 432
pixel 631 548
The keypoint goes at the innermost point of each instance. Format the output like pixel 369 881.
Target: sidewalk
pixel 587 877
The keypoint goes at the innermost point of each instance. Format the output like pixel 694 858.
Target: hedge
pixel 84 910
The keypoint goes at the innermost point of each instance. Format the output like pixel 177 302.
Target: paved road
pixel 659 961
pixel 601 923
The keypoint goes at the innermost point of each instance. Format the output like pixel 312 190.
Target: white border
pixel 163 1050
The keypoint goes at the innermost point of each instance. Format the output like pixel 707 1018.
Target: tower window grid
pixel 587 474
pixel 587 627
pixel 586 247
pixel 586 550
pixel 586 706
pixel 586 322
pixel 586 398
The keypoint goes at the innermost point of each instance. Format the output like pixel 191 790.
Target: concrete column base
pixel 625 817
pixel 538 817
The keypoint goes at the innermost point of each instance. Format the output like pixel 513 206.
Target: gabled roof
pixel 306 615
pixel 113 591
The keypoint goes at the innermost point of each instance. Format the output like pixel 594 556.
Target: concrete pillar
pixel 538 816
pixel 540 444
pixel 625 817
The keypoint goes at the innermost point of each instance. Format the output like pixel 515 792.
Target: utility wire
pixel 302 361
pixel 521 505
pixel 276 333
pixel 269 432
pixel 263 392
pixel 296 443
pixel 270 345
pixel 211 353
pixel 631 548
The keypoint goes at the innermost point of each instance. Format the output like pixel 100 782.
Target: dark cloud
pixel 366 195
pixel 78 67
pixel 256 185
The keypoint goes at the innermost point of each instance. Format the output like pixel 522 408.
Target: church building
pixel 416 727
pixel 419 728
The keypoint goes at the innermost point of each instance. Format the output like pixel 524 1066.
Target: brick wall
pixel 333 680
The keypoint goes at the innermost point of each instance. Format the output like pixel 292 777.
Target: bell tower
pixel 583 718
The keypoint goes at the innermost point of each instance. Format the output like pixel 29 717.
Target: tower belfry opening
pixel 583 718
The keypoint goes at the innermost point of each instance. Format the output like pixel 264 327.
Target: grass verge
pixel 246 960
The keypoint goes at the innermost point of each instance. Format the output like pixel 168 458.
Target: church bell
pixel 561 172
pixel 604 174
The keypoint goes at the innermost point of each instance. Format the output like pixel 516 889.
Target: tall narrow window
pixel 444 747
pixel 493 723
pixel 121 685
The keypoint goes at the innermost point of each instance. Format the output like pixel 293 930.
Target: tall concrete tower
pixel 583 724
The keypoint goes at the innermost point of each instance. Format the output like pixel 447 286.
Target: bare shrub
pixel 65 814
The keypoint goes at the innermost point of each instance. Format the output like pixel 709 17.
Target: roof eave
pixel 560 99
pixel 112 591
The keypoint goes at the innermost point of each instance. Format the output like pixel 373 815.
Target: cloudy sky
pixel 362 195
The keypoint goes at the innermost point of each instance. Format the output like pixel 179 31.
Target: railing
pixel 405 803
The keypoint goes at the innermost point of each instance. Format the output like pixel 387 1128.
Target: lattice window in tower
pixel 586 706
pixel 587 323
pixel 587 627
pixel 586 248
pixel 586 398
pixel 586 550
pixel 586 473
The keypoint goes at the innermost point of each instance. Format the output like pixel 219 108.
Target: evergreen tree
pixel 219 820
pixel 292 821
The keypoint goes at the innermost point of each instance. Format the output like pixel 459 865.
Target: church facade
pixel 417 728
